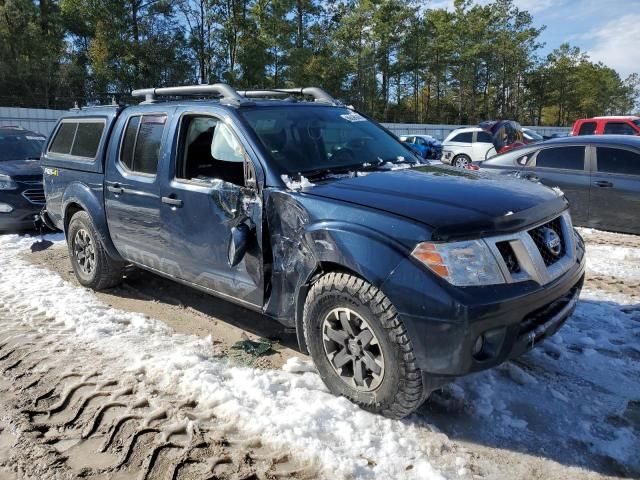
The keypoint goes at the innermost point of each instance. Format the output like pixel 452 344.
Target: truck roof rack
pixel 224 92
pixel 229 95
pixel 318 94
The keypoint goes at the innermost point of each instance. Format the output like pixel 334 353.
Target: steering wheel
pixel 343 154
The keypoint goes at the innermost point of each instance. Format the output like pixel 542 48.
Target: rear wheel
pixel 461 161
pixel 360 346
pixel 91 263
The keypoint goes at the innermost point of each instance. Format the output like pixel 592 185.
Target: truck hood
pixel 21 169
pixel 455 203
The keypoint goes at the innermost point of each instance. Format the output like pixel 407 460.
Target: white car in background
pixel 465 145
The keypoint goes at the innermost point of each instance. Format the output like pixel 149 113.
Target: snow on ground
pixel 575 399
pixel 620 262
pixel 280 407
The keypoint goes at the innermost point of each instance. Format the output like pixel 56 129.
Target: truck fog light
pixel 5 208
pixel 477 347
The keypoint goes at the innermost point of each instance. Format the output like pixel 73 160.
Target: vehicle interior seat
pixel 201 164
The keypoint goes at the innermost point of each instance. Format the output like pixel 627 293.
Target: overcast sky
pixel 608 30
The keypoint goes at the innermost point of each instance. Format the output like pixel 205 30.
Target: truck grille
pixel 509 257
pixel 34 195
pixel 541 236
pixel 540 254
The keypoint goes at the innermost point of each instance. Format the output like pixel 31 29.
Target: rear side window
pixel 141 143
pixel 484 137
pixel 78 138
pixel 587 128
pixel 619 128
pixel 568 158
pixel 466 137
pixel 617 160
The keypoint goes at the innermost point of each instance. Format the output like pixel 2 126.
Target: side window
pixel 619 128
pixel 466 137
pixel 64 138
pixel 568 158
pixel 78 138
pixel 587 128
pixel 209 150
pixel 484 137
pixel 141 143
pixel 617 160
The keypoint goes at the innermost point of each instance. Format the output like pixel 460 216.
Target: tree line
pixel 396 60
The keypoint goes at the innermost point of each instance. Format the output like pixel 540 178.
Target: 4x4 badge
pixel 552 241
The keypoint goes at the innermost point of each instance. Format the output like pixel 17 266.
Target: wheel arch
pixel 79 197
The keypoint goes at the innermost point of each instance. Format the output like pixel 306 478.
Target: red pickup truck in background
pixel 620 125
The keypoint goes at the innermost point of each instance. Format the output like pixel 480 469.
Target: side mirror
pixel 238 243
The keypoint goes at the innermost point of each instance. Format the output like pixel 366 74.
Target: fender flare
pixel 78 193
pixel 354 249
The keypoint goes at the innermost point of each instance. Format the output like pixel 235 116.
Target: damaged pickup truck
pixel 397 276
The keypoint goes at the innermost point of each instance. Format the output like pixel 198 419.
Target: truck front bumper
pixel 458 331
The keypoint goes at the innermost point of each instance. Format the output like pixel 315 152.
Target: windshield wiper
pixel 356 167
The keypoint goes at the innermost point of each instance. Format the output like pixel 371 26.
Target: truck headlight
pixel 464 264
pixel 7 183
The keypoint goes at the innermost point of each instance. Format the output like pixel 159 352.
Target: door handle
pixel 115 188
pixel 603 184
pixel 172 200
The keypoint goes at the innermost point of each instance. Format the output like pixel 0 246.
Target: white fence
pixel 42 121
pixel 36 119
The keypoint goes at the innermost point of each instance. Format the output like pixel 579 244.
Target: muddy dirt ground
pixel 79 419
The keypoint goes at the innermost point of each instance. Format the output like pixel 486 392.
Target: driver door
pixel 205 198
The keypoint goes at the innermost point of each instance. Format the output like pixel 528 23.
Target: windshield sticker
pixel 354 117
pixel 30 137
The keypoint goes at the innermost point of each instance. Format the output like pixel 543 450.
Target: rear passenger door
pixel 483 147
pixel 564 167
pixel 615 189
pixel 132 192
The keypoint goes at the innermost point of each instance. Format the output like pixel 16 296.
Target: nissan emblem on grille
pixel 551 241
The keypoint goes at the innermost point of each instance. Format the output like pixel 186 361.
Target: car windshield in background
pixel 637 122
pixel 311 139
pixel 20 146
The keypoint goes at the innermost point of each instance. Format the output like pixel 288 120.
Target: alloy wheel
pixel 84 251
pixel 352 349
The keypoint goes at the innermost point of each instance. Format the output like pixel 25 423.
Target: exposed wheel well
pixel 69 212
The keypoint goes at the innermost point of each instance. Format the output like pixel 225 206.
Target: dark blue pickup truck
pixel 396 276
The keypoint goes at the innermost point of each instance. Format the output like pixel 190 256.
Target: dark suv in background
pixel 21 192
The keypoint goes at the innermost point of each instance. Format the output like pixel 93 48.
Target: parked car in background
pixel 599 175
pixel 427 146
pixel 397 277
pixel 612 125
pixel 465 145
pixel 21 193
pixel 531 136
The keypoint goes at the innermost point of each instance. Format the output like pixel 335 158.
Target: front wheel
pixel 91 263
pixel 360 346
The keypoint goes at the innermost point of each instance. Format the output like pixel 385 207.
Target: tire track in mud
pixel 66 412
pixel 613 284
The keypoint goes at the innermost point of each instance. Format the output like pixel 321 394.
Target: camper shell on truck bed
pixel 396 276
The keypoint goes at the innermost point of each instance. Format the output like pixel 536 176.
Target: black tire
pixel 91 263
pixel 400 390
pixel 462 158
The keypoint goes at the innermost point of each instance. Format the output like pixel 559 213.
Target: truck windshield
pixel 20 147
pixel 313 138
